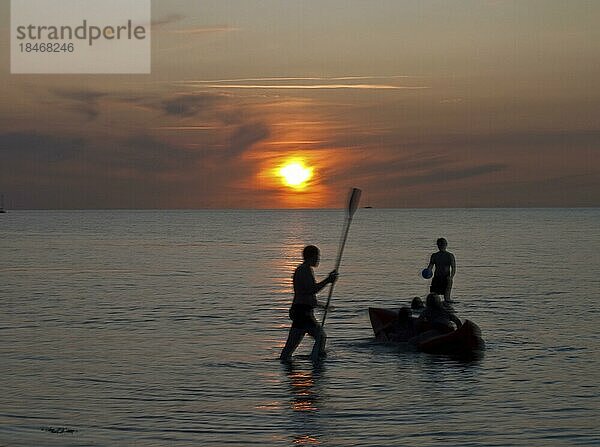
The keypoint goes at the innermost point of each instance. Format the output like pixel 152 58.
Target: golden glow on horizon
pixel 295 174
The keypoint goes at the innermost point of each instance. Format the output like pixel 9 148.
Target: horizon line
pixel 533 207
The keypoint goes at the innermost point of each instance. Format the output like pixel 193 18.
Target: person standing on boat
pixel 305 300
pixel 445 269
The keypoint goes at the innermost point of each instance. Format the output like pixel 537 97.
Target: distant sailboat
pixel 2 210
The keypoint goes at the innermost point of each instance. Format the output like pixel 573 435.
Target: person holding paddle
pixel 305 300
pixel 306 288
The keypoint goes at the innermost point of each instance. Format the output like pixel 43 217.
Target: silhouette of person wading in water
pixel 305 300
pixel 445 269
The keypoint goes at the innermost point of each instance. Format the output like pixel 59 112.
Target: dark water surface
pixel 161 328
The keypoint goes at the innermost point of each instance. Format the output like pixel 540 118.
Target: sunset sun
pixel 295 174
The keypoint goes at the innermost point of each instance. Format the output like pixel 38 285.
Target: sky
pixel 419 103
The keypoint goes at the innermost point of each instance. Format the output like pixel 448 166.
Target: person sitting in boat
pixel 305 300
pixel 405 327
pixel 436 317
pixel 417 303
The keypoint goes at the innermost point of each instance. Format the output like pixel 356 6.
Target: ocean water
pixel 163 328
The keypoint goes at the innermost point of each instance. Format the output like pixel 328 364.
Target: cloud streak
pixel 198 128
pixel 296 78
pixel 188 105
pixel 313 86
pixel 444 175
pixel 167 20
pixel 85 102
pixel 306 83
pixel 204 30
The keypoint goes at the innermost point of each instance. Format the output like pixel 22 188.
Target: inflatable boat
pixel 465 340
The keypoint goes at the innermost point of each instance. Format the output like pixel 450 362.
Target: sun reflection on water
pixel 306 440
pixel 304 403
pixel 304 398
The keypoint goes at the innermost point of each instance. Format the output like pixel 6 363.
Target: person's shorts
pixel 440 285
pixel 303 318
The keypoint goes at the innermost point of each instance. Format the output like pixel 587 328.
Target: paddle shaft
pixel 352 206
pixel 337 266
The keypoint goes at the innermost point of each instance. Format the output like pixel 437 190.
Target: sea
pixel 163 328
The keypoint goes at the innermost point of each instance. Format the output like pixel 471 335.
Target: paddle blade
pixel 353 201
